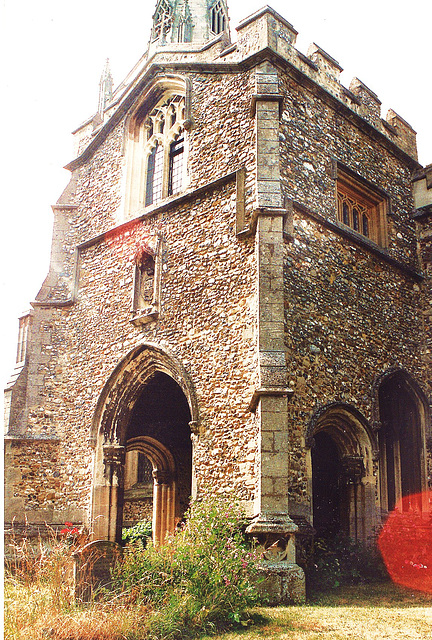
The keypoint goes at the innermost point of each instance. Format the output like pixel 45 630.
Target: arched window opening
pixel 156 154
pixel 362 207
pixel 217 18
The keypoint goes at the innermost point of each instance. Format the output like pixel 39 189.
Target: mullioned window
pixel 157 154
pixel 362 208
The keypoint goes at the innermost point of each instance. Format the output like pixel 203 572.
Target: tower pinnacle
pixel 105 88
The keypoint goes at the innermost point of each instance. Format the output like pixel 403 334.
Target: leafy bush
pixel 140 531
pixel 342 561
pixel 201 579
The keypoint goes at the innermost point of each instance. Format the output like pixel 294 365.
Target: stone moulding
pixel 144 359
pixel 358 239
pixel 268 391
pixel 265 97
pixel 171 203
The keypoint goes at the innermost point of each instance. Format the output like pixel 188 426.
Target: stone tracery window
pixel 157 154
pixel 163 20
pixel 154 181
pixel 217 18
pixel 361 208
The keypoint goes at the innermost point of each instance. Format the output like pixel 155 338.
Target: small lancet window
pixel 217 18
pixel 154 175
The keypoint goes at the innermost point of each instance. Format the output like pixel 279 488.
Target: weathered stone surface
pixel 276 320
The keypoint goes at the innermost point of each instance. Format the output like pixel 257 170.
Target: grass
pixel 366 612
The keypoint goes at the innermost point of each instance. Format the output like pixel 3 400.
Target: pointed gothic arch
pixel 403 426
pixel 147 405
pixel 342 448
pixel 156 143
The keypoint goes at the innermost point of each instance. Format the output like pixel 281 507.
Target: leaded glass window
pixel 361 207
pixel 176 166
pixel 145 470
pixel 154 175
pixel 217 18
pixel 353 213
pixel 156 157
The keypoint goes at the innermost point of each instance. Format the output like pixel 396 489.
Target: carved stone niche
pixel 282 581
pixel 147 284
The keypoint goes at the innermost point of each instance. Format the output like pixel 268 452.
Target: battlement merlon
pixel 264 30
pixel 267 29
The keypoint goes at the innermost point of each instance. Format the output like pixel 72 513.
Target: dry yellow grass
pixel 376 612
pixel 31 615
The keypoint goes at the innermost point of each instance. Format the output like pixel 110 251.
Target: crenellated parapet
pixel 268 35
pixel 266 29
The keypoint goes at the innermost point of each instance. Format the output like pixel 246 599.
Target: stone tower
pixel 182 23
pixel 235 301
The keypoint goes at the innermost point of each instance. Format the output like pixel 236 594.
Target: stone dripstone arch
pixel 342 450
pixel 402 423
pixel 128 417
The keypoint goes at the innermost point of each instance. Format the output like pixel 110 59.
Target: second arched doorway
pixel 343 482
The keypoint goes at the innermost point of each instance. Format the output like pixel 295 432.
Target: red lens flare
pixel 405 542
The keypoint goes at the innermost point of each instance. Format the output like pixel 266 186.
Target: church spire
pixel 105 88
pixel 188 21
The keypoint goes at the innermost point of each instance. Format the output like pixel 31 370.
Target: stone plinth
pixel 283 580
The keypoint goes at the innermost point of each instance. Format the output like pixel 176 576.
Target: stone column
pixel 108 496
pixel 272 526
pixel 163 505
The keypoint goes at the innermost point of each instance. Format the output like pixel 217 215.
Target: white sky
pixel 53 53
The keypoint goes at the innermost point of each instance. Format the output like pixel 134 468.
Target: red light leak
pixel 405 542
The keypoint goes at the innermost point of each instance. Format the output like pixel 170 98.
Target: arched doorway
pixel 326 486
pixel 342 477
pixel 158 462
pixel 143 445
pixel 401 440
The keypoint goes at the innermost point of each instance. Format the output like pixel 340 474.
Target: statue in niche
pixel 145 285
pixel 146 291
